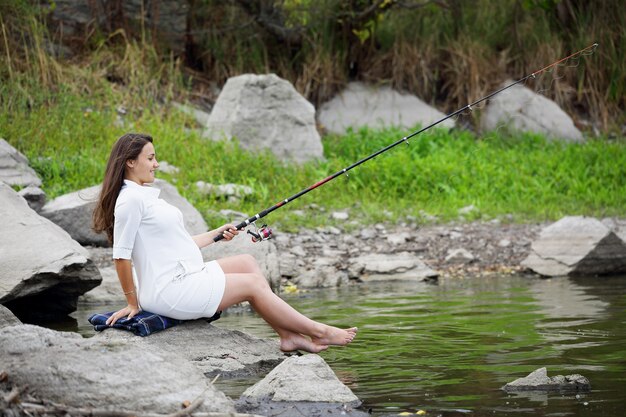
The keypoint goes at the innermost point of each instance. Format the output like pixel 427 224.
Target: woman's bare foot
pixel 336 336
pixel 298 342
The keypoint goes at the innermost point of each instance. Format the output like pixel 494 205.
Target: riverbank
pixel 324 257
pixel 452 250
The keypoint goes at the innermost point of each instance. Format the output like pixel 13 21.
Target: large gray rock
pixel 266 112
pixel 403 266
pixel 73 212
pixel 519 108
pixel 166 21
pixel 577 245
pixel 540 381
pixel 14 169
pixel 213 350
pixel 361 105
pixel 300 386
pixel 302 378
pixel 111 375
pixel 43 271
pixel 7 318
pixel 264 252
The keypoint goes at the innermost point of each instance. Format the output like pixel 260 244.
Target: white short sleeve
pixel 128 213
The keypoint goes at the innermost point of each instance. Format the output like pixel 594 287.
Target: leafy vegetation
pixel 446 52
pixel 65 115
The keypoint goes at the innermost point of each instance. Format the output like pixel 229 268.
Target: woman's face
pixel 141 170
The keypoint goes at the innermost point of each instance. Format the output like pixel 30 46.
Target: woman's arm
pixel 125 274
pixel 205 239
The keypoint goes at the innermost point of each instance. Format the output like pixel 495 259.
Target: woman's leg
pixel 240 264
pixel 246 263
pixel 244 282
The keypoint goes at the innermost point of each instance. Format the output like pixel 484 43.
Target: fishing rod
pixel 265 233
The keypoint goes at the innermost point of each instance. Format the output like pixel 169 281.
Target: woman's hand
pixel 229 231
pixel 130 311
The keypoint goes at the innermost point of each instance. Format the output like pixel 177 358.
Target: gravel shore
pixel 457 249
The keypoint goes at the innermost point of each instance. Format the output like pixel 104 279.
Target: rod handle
pixel 240 226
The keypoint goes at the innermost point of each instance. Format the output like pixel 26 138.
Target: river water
pixel 447 348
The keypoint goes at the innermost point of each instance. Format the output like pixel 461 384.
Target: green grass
pixel 67 138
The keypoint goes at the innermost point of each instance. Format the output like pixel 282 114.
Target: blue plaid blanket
pixel 143 324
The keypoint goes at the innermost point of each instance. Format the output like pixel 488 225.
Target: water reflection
pixel 448 348
pixel 564 298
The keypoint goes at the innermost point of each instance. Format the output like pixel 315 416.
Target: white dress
pixel 173 279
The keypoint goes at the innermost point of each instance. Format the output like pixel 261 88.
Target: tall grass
pixel 446 55
pixel 467 53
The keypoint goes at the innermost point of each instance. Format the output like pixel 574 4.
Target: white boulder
pixel 266 112
pixel 519 108
pixel 362 105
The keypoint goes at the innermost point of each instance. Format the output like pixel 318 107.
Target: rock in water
pixel 304 383
pixel 540 381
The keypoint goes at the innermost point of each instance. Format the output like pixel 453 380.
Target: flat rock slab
pixel 539 380
pixel 105 374
pixel 213 350
pixel 402 266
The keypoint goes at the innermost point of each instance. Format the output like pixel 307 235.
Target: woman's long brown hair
pixel 127 147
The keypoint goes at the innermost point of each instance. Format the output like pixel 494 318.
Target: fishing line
pixel 265 233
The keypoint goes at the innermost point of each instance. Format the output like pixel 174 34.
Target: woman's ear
pixel 130 163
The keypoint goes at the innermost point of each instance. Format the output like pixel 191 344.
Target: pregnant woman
pixel 172 278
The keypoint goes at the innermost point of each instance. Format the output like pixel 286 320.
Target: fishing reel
pixel 259 235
